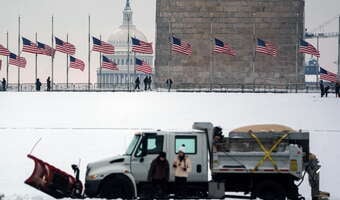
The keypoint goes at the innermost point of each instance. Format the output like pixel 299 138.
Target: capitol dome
pixel 124 60
pixel 119 37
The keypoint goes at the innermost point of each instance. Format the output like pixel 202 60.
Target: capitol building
pixel 119 39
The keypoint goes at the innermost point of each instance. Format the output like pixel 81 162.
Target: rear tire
pixel 116 186
pixel 293 191
pixel 269 190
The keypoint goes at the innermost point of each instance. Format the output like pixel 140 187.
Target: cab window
pixel 154 145
pixel 188 142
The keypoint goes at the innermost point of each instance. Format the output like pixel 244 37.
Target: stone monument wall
pixel 238 23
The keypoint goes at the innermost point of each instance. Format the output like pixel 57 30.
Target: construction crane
pixel 317 33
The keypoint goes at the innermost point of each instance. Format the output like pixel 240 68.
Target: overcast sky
pixel 106 16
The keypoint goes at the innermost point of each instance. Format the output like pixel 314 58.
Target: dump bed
pixel 261 149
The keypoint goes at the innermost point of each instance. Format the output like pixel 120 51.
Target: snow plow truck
pixel 251 162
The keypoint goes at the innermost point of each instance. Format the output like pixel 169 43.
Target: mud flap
pixel 314 179
pixel 53 181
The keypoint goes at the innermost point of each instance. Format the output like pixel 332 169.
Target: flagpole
pixel 317 59
pixel 67 68
pixel 128 56
pixel 134 65
pixel 296 51
pixel 100 65
pixel 19 51
pixel 254 43
pixel 52 57
pixel 339 52
pixel 170 49
pixel 36 57
pixel 7 64
pixel 211 56
pixel 89 55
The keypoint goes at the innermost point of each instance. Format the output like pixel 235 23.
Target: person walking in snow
pixel 182 168
pixel 48 83
pixel 337 89
pixel 37 85
pixel 169 84
pixel 149 82
pixel 145 81
pixel 158 174
pixel 326 90
pixel 137 82
pixel 4 84
pixel 322 88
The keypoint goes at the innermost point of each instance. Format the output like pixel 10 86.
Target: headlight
pixel 92 177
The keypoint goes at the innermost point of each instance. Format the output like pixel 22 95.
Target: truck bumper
pixel 92 188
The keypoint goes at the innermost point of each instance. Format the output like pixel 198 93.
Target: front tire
pixel 116 186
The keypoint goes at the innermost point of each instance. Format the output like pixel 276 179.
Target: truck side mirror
pixel 144 146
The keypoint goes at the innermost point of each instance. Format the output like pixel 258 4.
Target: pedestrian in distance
pixel 169 84
pixel 337 89
pixel 322 88
pixel 149 82
pixel 48 83
pixel 4 84
pixel 37 85
pixel 145 81
pixel 137 83
pixel 158 175
pixel 327 90
pixel 182 168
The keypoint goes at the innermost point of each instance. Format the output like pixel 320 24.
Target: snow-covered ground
pixel 92 126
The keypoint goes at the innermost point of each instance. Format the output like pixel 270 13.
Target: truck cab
pixel 128 173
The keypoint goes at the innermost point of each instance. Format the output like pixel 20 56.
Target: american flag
pixel 142 66
pixel 221 47
pixel 65 47
pixel 29 47
pixel 17 60
pixel 45 49
pixel 139 46
pixel 108 64
pixel 266 47
pixel 102 47
pixel 307 48
pixel 181 46
pixel 4 51
pixel 327 76
pixel 77 63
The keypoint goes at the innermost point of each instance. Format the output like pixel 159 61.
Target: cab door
pixel 196 150
pixel 147 150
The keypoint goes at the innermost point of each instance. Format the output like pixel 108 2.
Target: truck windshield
pixel 132 145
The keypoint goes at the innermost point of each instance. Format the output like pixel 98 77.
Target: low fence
pixel 249 88
pixel 187 87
